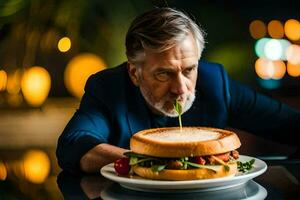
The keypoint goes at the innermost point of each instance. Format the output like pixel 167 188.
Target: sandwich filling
pixel 184 163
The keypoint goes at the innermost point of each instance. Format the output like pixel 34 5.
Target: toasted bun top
pixel 191 141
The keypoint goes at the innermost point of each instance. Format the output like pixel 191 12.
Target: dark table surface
pixel 280 181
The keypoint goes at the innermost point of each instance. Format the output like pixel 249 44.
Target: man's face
pixel 169 76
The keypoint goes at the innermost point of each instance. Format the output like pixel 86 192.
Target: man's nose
pixel 179 86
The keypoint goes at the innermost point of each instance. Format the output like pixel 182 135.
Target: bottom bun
pixel 188 174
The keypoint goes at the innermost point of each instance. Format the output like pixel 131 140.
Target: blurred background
pixel 48 49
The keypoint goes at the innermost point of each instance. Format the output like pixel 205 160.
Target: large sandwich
pixel 187 154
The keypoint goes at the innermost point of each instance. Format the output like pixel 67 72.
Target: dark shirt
pixel 158 121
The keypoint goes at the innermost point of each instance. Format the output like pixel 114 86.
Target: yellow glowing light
pixel 275 29
pixel 279 69
pixel 13 85
pixel 261 68
pixel 293 70
pixel 293 54
pixel 64 44
pixel 36 165
pixel 79 69
pixel 257 29
pixel 3 80
pixel 3 171
pixel 36 85
pixel 292 29
pixel 267 69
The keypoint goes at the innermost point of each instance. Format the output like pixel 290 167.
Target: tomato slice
pixel 199 160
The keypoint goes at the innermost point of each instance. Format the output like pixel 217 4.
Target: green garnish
pixel 178 109
pixel 227 168
pixel 131 154
pixel 158 168
pixel 246 166
pixel 212 167
pixel 133 160
pixel 137 158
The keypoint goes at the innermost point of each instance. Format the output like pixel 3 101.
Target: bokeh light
pixel 3 171
pixel 285 44
pixel 279 69
pixel 257 29
pixel 293 54
pixel 260 47
pixel 261 68
pixel 79 69
pixel 13 85
pixel 275 29
pixel 36 166
pixel 293 70
pixel 273 49
pixel 267 69
pixel 292 29
pixel 36 83
pixel 64 44
pixel 3 80
pixel 269 84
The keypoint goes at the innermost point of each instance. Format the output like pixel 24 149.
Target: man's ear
pixel 133 73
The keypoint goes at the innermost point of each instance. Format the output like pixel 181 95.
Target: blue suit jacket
pixel 112 109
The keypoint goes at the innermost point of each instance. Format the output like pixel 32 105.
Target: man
pixel 163 48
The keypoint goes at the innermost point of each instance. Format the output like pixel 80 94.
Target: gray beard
pixel 158 106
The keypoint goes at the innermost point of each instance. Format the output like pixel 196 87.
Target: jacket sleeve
pixel 262 115
pixel 87 128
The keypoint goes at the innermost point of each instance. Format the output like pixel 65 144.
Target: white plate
pixel 250 191
pixel 141 184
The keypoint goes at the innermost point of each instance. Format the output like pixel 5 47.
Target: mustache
pixel 174 98
pixel 182 98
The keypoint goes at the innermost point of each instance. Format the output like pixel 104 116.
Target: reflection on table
pixel 248 190
pixel 280 181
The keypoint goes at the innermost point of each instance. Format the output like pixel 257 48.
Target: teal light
pixel 269 84
pixel 260 47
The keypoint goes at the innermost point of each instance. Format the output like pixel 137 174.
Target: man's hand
pixel 99 156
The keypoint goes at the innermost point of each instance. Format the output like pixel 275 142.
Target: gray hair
pixel 159 30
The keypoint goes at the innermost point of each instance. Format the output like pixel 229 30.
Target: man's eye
pixel 188 71
pixel 163 76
